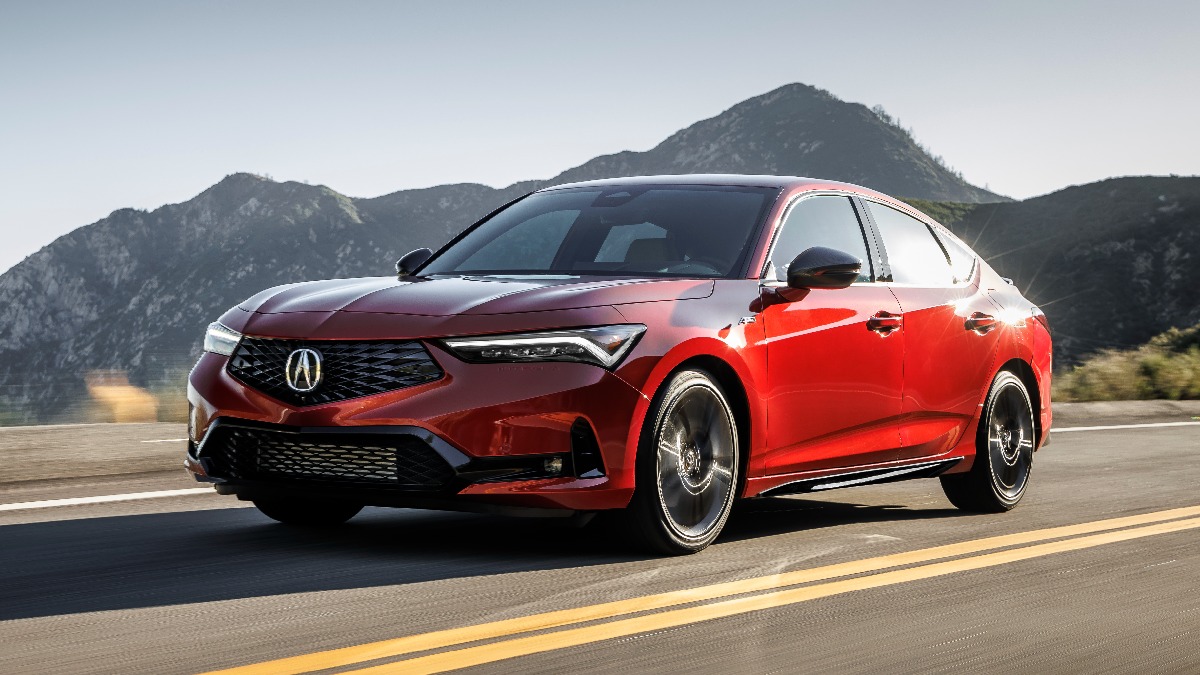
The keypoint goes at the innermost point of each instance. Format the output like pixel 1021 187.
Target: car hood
pixel 469 295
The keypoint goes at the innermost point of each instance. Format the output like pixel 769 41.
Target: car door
pixel 834 356
pixel 950 330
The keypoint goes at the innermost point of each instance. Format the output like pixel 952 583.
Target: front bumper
pixel 490 429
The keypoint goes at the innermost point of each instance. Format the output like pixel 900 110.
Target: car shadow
pixel 124 562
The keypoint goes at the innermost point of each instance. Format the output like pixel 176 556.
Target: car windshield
pixel 671 231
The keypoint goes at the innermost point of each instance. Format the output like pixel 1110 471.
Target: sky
pixel 138 104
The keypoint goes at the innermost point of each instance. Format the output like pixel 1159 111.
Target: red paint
pixel 824 393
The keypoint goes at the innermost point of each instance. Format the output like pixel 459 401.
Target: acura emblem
pixel 303 370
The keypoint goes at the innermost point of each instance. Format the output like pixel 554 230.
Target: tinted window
pixel 915 256
pixel 962 260
pixel 534 240
pixel 620 238
pixel 819 221
pixel 684 231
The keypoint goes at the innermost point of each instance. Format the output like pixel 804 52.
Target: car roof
pixel 788 184
pixel 720 179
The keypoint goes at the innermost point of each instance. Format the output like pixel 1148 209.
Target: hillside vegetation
pixel 1168 367
pixel 1112 263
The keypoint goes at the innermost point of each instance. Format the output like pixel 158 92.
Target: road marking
pixel 102 499
pixel 1125 426
pixel 346 656
pixel 166 440
pixel 574 637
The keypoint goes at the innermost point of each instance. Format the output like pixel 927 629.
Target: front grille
pixel 395 460
pixel 349 369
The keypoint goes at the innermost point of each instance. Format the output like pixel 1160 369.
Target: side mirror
pixel 412 261
pixel 820 267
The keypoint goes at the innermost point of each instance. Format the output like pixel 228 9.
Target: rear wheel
pixel 307 512
pixel 1003 451
pixel 687 467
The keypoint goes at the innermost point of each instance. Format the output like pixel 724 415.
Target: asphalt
pixel 196 583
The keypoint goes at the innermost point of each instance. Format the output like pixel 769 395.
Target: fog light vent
pixel 585 450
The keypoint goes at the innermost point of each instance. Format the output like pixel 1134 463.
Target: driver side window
pixel 824 220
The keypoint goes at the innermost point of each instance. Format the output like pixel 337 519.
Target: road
pixel 880 578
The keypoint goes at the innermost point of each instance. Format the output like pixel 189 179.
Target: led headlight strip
pixel 604 346
pixel 219 339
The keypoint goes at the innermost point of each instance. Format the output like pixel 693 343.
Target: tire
pixel 1004 449
pixel 687 467
pixel 307 512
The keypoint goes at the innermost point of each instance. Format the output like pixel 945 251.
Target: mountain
pixel 1112 263
pixel 132 292
pixel 796 130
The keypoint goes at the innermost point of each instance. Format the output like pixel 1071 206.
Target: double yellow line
pixel 506 640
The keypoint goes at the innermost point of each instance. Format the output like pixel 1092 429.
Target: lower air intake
pixel 384 460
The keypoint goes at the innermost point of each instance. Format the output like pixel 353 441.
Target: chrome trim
pixel 820 482
pixel 306 363
pixel 869 479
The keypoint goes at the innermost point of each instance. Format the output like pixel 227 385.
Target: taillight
pixel 1041 317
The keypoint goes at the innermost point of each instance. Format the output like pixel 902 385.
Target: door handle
pixel 884 323
pixel 980 323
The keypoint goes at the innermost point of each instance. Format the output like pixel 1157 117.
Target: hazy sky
pixel 111 104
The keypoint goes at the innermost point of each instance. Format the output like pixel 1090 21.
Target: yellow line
pixel 573 637
pixel 345 656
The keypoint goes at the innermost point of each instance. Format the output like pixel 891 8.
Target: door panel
pixel 949 333
pixel 834 384
pixel 947 365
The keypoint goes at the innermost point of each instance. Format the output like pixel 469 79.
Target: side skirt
pixel 867 477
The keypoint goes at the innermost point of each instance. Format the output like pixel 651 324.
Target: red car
pixel 658 345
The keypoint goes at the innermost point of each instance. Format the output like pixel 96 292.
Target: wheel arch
pixel 735 391
pixel 1028 377
pixel 732 383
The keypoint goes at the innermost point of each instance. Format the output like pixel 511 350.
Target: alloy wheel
pixel 697 458
pixel 1010 441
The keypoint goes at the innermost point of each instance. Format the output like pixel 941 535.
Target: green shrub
pixel 1167 367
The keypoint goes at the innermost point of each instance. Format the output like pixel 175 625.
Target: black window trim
pixel 934 229
pixel 870 237
pixel 939 232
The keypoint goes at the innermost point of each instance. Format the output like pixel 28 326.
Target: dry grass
pixel 1168 367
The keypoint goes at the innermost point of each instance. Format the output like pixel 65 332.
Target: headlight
pixel 604 346
pixel 221 340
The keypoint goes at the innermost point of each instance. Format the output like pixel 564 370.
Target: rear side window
pixel 915 255
pixel 962 260
pixel 825 220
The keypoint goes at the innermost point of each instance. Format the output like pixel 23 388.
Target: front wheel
pixel 1003 452
pixel 687 466
pixel 308 512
